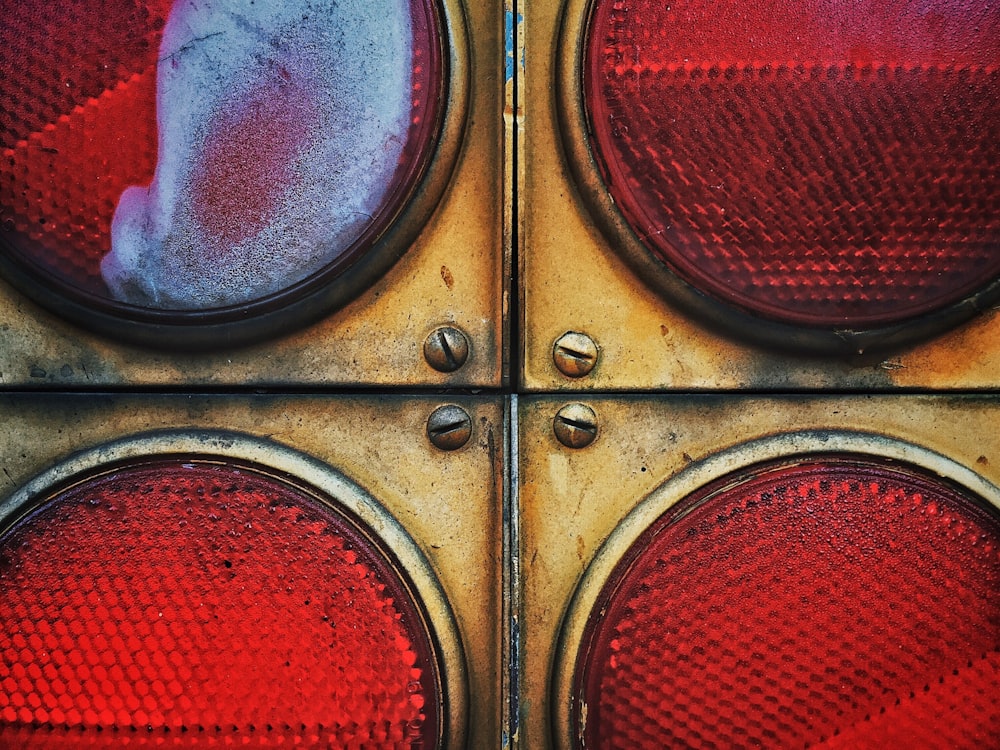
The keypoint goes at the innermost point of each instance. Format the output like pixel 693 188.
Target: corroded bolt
pixel 575 354
pixel 446 349
pixel 449 427
pixel 575 425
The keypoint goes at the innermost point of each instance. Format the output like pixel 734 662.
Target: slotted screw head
pixel 446 349
pixel 575 425
pixel 574 354
pixel 449 427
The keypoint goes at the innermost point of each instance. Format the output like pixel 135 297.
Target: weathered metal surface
pixel 451 274
pixel 570 501
pixel 572 277
pixel 450 503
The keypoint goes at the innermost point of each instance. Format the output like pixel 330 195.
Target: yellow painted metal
pixel 453 273
pixel 572 278
pixel 450 503
pixel 571 501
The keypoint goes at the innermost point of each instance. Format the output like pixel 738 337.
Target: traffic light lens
pixel 816 165
pixel 837 601
pixel 195 157
pixel 193 604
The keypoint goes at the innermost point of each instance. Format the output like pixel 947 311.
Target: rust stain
pixel 449 280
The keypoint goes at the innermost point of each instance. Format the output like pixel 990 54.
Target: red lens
pixel 200 605
pixel 149 164
pixel 815 163
pixel 836 602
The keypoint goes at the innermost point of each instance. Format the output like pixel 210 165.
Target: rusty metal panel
pixel 452 273
pixel 572 499
pixel 575 278
pixel 449 501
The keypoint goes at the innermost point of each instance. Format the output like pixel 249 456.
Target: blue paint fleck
pixel 509 41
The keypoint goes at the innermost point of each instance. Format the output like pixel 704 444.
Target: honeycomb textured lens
pixel 77 125
pixel 199 605
pixel 830 603
pixel 183 156
pixel 819 164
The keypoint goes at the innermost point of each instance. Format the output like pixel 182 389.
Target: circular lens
pixel 175 160
pixel 191 604
pixel 836 601
pixel 832 166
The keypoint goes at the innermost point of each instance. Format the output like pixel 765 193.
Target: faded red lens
pixel 201 605
pixel 815 163
pixel 835 602
pixel 147 164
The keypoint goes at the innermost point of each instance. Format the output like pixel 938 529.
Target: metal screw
pixel 575 354
pixel 446 349
pixel 449 427
pixel 575 425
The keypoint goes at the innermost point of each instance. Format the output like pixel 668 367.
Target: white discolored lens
pixel 208 161
pixel 281 127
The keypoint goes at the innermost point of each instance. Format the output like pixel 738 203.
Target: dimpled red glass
pixel 834 603
pixel 78 126
pixel 197 605
pixel 820 163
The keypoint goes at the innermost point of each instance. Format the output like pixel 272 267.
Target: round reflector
pixel 172 161
pixel 192 603
pixel 829 166
pixel 837 601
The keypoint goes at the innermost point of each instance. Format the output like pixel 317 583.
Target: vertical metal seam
pixel 512 590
